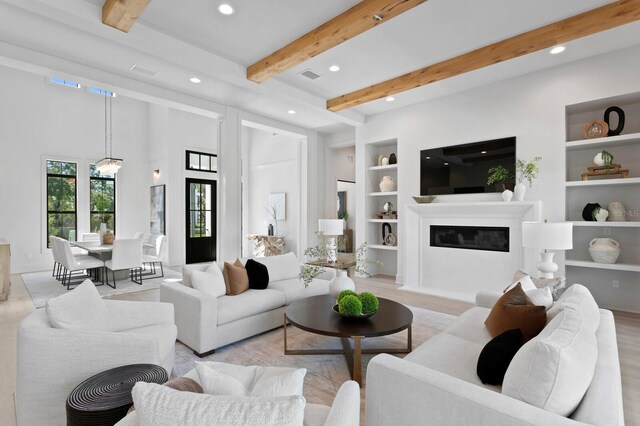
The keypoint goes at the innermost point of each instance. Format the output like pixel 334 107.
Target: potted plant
pixel 499 176
pixel 525 170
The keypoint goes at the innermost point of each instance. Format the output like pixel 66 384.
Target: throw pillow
pixel 515 310
pixel 496 356
pixel 258 275
pixel 237 278
pixel 160 406
pixel 581 298
pixel 209 283
pixel 183 384
pixel 541 296
pixel 225 274
pixel 82 308
pixel 525 281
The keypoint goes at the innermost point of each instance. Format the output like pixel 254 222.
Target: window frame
pixel 115 196
pixel 200 154
pixel 46 200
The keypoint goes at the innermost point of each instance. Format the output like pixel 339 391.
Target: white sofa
pixel 437 383
pixel 53 361
pixel 206 323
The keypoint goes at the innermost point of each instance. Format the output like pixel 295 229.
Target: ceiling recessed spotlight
pixel 446 164
pixel 483 152
pixel 428 158
pixel 195 80
pixel 389 99
pixel 291 111
pixel 226 9
pixel 557 49
pixel 334 68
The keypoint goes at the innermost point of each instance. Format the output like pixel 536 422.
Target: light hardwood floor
pixel 19 306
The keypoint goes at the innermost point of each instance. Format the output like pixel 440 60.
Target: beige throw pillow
pixel 236 278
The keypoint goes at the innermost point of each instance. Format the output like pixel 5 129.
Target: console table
pixel 267 245
pixel 5 269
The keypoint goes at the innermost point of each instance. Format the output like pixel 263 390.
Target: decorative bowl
pixel 352 317
pixel 424 199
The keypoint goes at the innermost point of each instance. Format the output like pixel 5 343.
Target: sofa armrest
pixel 402 392
pixel 486 299
pixel 128 315
pixel 196 315
pixel 130 419
pixel 345 410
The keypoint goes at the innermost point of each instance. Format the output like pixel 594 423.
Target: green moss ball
pixel 346 293
pixel 369 302
pixel 350 305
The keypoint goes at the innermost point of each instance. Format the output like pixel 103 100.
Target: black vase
pixel 393 159
pixel 587 212
pixel 270 230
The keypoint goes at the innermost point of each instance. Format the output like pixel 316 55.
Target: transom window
pixel 61 200
pixel 102 200
pixel 202 162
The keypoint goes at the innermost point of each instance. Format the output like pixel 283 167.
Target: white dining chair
pixel 126 254
pixel 139 235
pixel 53 241
pixel 73 264
pixel 156 255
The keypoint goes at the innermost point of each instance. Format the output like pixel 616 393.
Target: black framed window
pixel 62 200
pixel 202 162
pixel 102 200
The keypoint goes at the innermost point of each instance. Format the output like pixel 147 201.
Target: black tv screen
pixel 464 169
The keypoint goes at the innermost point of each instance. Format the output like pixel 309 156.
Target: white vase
pixel 519 191
pixel 387 184
pixel 507 195
pixel 341 283
pixel 103 230
pixel 601 215
pixel 604 250
pixel 617 212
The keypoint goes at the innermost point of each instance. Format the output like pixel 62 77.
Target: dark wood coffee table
pixel 314 314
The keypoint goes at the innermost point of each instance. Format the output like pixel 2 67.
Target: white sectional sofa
pixel 205 322
pixel 437 383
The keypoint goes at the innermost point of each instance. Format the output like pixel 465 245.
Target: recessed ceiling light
pixel 195 80
pixel 291 111
pixel 389 99
pixel 428 158
pixel 226 9
pixel 446 164
pixel 557 49
pixel 483 152
pixel 334 68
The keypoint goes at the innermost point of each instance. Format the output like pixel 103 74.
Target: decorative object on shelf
pixel 393 159
pixel 600 214
pixel 547 236
pixel 103 230
pixel 507 195
pixel 270 230
pixel 108 237
pixel 617 212
pixel 604 158
pixel 388 238
pixel 525 170
pixel 341 283
pixel 267 245
pixel 108 165
pixel 383 160
pixel 587 212
pixel 157 204
pixel 499 176
pixel 387 184
pixel 607 170
pixel 595 129
pixel 393 214
pixel 607 119
pixel 423 199
pixel 388 207
pixel 604 250
pixel 331 228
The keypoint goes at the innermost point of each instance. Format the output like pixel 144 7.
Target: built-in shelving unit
pixel 382 220
pixel 382 168
pixel 611 266
pixel 604 182
pixel 383 194
pixel 383 247
pixel 607 224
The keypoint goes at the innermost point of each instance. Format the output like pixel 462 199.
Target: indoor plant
pixel 525 170
pixel 498 176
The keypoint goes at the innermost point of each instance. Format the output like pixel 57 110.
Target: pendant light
pixel 108 165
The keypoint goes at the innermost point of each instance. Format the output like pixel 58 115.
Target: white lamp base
pixel 332 250
pixel 546 266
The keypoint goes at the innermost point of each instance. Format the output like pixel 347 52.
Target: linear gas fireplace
pixel 488 238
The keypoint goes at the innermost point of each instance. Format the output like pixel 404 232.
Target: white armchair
pixel 53 361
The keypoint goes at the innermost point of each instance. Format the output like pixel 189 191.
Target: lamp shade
pixel 330 226
pixel 548 236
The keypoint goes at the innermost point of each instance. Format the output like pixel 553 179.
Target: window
pixel 61 200
pixel 201 161
pixel 102 200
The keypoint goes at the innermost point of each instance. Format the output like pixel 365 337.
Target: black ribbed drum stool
pixel 105 398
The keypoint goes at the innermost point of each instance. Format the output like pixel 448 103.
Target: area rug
pixel 42 286
pixel 325 373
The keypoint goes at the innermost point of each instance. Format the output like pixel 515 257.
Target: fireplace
pixel 487 238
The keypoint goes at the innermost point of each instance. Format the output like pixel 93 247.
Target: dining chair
pixel 126 254
pixel 53 241
pixel 156 255
pixel 74 263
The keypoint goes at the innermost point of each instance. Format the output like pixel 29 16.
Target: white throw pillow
pixel 526 282
pixel 217 378
pixel 581 298
pixel 82 308
pixel 209 283
pixel 161 406
pixel 541 296
pixel 553 370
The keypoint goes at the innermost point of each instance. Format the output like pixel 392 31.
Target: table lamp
pixel 331 229
pixel 547 236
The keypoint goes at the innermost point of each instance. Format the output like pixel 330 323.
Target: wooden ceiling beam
pixel 122 14
pixel 347 25
pixel 594 21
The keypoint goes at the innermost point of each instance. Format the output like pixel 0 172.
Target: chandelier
pixel 108 165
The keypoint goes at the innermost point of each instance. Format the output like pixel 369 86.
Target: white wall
pixel 530 107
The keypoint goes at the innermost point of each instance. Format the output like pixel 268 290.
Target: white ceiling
pixel 189 37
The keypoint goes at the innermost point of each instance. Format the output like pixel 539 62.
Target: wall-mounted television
pixel 464 169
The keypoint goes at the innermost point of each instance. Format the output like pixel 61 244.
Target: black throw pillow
pixel 258 275
pixel 497 355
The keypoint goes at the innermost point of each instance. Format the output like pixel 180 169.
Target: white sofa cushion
pixel 294 289
pixel 281 267
pixel 525 281
pixel 581 298
pixel 541 296
pixel 82 308
pixel 161 406
pixel 554 370
pixel 247 304
pixel 209 282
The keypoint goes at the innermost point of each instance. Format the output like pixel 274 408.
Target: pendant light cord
pixel 110 126
pixel 105 126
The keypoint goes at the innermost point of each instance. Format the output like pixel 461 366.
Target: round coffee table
pixel 315 315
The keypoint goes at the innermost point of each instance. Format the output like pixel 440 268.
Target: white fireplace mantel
pixel 461 273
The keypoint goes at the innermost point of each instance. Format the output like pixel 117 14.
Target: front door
pixel 201 220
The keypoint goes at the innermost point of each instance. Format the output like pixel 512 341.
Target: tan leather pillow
pixel 236 278
pixel 515 310
pixel 183 384
pixel 226 277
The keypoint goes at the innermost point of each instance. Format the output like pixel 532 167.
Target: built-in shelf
pixel 382 220
pixel 603 182
pixel 383 194
pixel 620 140
pixel 387 167
pixel 607 224
pixel 611 266
pixel 382 247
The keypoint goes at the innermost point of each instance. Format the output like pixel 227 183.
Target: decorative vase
pixel 519 191
pixel 270 230
pixel 384 161
pixel 604 250
pixel 387 184
pixel 103 230
pixel 393 159
pixel 587 212
pixel 598 160
pixel 341 283
pixel 507 195
pixel 617 212
pixel 600 214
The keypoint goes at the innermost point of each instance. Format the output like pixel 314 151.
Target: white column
pixel 229 188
